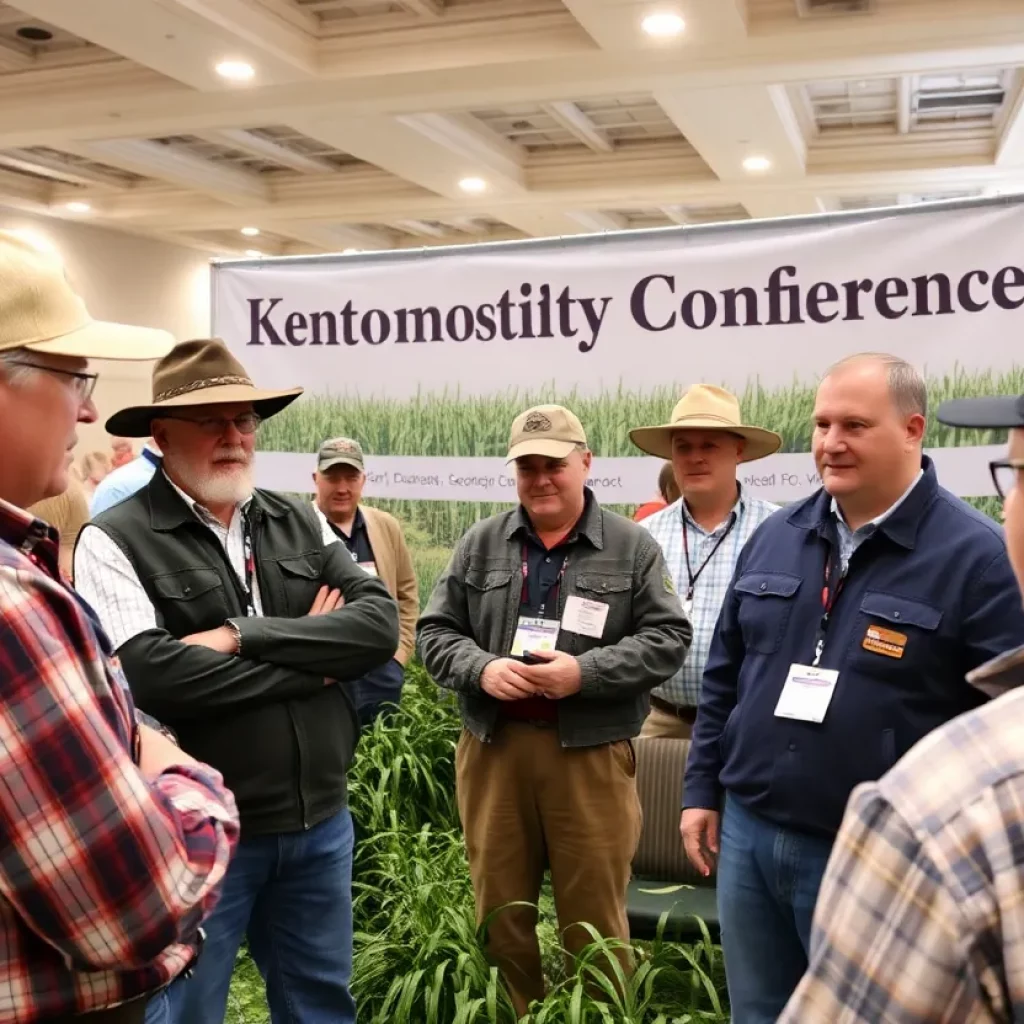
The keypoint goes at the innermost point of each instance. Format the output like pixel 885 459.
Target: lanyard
pixel 250 566
pixel 555 587
pixel 829 596
pixel 691 575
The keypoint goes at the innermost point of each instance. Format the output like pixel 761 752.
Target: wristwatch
pixel 236 633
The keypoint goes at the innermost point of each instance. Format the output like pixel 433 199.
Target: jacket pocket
pixel 190 600
pixel 765 606
pixel 300 579
pixel 614 589
pixel 895 634
pixel 488 597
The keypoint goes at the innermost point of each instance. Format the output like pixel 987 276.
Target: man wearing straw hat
pixel 703 533
pixel 235 613
pixel 551 622
pixel 115 840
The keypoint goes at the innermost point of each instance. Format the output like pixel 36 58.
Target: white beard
pixel 230 484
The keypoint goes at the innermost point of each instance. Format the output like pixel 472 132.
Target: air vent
pixel 961 99
pixel 832 8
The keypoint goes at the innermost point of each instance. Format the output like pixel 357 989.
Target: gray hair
pixel 13 369
pixel 906 386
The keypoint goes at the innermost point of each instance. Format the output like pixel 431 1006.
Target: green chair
pixel 660 861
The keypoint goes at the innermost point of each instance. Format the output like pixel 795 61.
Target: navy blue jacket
pixel 935 571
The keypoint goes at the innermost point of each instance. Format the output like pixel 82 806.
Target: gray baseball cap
pixel 340 451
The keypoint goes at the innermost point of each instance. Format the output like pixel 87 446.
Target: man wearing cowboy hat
pixel 844 638
pixel 115 840
pixel 703 533
pixel 551 622
pixel 235 614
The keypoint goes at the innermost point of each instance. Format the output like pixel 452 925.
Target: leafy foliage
pixel 419 956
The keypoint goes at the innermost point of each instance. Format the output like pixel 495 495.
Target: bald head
pixel 906 386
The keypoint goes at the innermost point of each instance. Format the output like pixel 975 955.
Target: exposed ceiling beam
pixel 424 8
pixel 267 149
pixel 337 238
pixel 904 87
pixel 169 163
pixel 568 116
pixel 419 228
pixel 988 33
pixel 185 39
pixel 56 170
pixel 676 214
pixel 599 220
pixel 1010 148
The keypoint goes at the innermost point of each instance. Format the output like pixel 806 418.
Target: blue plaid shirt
pixel 667 526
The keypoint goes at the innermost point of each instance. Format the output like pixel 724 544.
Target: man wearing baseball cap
pixel 375 540
pixel 552 622
pixel 115 841
pixel 918 919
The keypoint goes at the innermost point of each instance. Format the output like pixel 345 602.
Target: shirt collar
pixel 878 520
pixel 738 508
pixel 201 512
pixel 589 524
pixel 26 532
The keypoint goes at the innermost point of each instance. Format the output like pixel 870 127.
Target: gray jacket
pixel 472 615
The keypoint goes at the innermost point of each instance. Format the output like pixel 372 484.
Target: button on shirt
pixel 683 689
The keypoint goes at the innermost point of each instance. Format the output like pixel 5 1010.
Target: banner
pixel 426 357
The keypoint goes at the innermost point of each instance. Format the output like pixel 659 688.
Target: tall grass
pixel 419 955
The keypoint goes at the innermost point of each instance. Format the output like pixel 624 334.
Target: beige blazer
pixel 394 567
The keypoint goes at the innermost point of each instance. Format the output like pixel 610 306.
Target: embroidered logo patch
pixel 670 587
pixel 536 421
pixel 879 640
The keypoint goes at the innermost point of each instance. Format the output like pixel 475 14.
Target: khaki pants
pixel 661 725
pixel 527 803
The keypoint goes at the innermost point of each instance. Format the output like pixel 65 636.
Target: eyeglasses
pixel 1005 474
pixel 84 384
pixel 217 426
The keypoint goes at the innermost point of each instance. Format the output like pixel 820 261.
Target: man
pixel 224 605
pixel 115 841
pixel 124 481
pixel 376 543
pixel 67 513
pixel 551 622
pixel 843 640
pixel 918 918
pixel 703 534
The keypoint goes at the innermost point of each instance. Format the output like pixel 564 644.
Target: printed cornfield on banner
pixel 427 357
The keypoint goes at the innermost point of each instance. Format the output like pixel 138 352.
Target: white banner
pixel 426 357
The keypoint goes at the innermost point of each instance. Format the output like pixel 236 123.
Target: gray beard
pixel 224 488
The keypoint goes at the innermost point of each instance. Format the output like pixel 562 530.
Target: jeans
pixel 291 895
pixel 158 1009
pixel 376 690
pixel 768 881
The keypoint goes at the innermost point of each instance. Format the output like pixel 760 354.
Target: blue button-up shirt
pixel 124 481
pixel 934 574
pixel 667 527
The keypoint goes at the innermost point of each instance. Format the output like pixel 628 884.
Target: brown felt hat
pixel 201 372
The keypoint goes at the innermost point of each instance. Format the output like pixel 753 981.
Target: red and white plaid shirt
pixel 104 876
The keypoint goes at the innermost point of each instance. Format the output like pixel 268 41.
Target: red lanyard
pixel 524 596
pixel 250 566
pixel 829 596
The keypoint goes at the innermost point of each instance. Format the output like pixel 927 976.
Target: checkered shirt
pixel 667 526
pixel 920 916
pixel 103 874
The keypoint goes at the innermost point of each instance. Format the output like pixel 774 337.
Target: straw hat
pixel 705 407
pixel 549 430
pixel 201 372
pixel 40 311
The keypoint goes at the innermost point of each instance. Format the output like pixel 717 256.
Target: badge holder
pixel 534 635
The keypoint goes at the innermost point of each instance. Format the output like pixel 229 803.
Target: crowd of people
pixel 185 689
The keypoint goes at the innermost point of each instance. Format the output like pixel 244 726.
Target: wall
pixel 128 279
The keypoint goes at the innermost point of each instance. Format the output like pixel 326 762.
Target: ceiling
pixel 363 119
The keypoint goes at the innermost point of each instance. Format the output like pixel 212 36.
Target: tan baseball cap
pixel 549 430
pixel 39 310
pixel 340 451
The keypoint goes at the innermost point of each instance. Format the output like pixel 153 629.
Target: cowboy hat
pixel 40 311
pixel 201 372
pixel 705 407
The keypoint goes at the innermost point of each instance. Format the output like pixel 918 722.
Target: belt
pixel 687 714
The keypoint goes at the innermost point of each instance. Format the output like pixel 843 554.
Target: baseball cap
pixel 40 311
pixel 340 451
pixel 549 430
pixel 997 412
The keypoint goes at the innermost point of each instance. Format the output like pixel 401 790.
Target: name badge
pixel 687 607
pixel 534 635
pixel 370 567
pixel 585 617
pixel 807 693
pixel 879 640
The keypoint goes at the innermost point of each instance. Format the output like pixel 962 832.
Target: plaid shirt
pixel 920 915
pixel 104 877
pixel 667 526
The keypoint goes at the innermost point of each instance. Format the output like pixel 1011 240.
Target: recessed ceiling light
pixel 77 206
pixel 235 70
pixel 663 24
pixel 250 232
pixel 756 164
pixel 34 34
pixel 253 253
pixel 473 185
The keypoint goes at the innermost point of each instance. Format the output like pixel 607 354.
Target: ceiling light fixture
pixel 235 70
pixel 250 232
pixel 756 164
pixel 663 24
pixel 254 254
pixel 473 185
pixel 77 206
